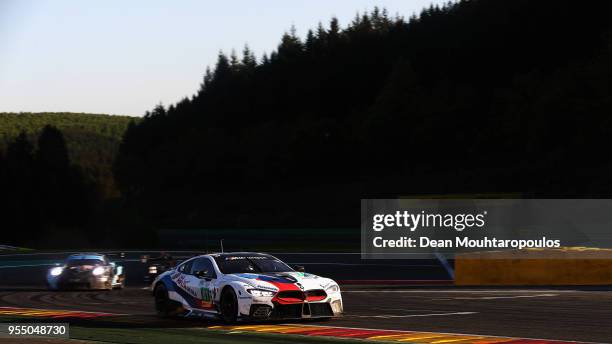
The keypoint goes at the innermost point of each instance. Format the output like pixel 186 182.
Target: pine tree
pixel 208 77
pixel 20 153
pixel 334 29
pixel 290 46
pixel 222 68
pixel 321 32
pixel 249 62
pixel 158 111
pixel 20 192
pixel 52 151
pixel 265 60
pixel 310 41
pixel 234 61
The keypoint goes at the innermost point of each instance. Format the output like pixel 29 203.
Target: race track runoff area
pixel 424 315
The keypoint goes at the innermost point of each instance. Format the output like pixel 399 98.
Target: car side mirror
pixel 298 268
pixel 202 274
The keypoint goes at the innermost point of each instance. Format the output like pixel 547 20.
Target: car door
pixel 203 281
pixel 185 280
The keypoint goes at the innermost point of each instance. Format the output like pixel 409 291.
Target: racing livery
pixel 86 271
pixel 244 286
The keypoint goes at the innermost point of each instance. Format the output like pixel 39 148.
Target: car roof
pixel 239 254
pixel 228 254
pixel 86 256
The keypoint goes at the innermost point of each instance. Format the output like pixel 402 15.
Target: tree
pixel 222 69
pixel 334 29
pixel 290 47
pixel 310 41
pixel 21 211
pixel 52 150
pixel 249 62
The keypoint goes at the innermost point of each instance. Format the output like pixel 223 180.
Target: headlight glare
pixel 152 269
pixel 56 271
pixel 259 292
pixel 334 288
pixel 98 271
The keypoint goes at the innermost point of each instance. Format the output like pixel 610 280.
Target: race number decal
pixel 206 301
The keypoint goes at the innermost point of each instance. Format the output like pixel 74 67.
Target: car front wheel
pixel 229 306
pixel 163 305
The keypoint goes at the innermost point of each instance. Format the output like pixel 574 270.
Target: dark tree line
pixel 495 96
pixel 92 140
pixel 45 199
pixel 476 96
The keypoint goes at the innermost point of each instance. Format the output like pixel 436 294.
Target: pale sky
pixel 123 57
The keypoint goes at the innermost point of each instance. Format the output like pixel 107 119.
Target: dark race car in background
pixel 155 266
pixel 86 271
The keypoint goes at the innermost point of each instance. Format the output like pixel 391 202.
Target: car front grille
pixel 290 296
pixel 287 311
pixel 300 310
pixel 320 310
pixel 72 273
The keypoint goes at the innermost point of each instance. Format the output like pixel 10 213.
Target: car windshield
pixel 81 262
pixel 250 264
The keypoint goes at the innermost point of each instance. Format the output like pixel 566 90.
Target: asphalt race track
pixel 562 314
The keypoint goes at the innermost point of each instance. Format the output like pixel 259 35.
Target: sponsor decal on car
pixel 207 298
pixel 181 282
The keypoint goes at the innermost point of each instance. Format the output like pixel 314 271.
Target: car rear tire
pixel 229 306
pixel 165 307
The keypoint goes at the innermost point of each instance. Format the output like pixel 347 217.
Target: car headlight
pixel 334 288
pixel 153 269
pixel 259 292
pixel 56 271
pixel 98 271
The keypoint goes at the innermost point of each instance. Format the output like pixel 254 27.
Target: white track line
pixel 389 316
pixel 462 291
pixel 499 297
pixel 366 264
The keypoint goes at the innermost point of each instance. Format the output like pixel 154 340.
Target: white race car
pixel 244 286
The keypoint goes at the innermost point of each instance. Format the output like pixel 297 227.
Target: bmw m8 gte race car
pixel 86 271
pixel 244 286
